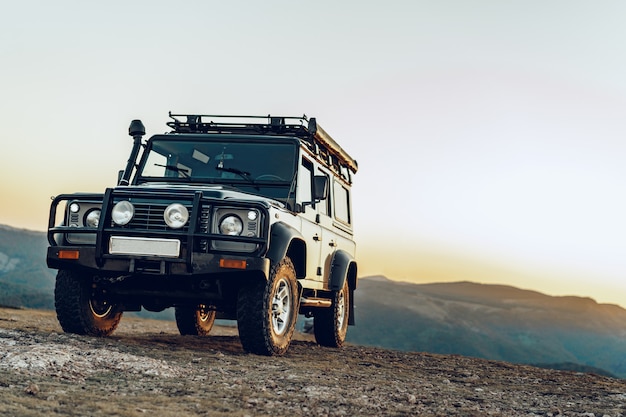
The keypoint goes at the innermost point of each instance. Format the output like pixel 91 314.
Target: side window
pixel 341 202
pixel 305 181
pixel 325 206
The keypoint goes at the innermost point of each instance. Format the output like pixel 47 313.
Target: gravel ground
pixel 146 368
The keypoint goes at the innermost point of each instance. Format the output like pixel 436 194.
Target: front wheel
pixel 79 310
pixel 330 325
pixel 195 321
pixel 267 311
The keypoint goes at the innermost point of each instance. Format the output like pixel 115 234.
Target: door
pixel 311 230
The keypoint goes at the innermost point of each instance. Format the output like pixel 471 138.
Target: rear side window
pixel 341 202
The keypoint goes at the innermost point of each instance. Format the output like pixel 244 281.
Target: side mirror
pixel 320 192
pixel 320 187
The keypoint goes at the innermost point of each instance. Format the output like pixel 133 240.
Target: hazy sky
pixel 489 134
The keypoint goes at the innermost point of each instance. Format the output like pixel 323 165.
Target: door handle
pixel 316 237
pixel 332 243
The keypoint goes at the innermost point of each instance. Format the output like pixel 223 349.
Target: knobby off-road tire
pixel 78 311
pixel 330 325
pixel 267 311
pixel 195 321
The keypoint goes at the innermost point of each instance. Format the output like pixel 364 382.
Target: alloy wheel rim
pixel 281 306
pixel 341 306
pixel 203 314
pixel 100 309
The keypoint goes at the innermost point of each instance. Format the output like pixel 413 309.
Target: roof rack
pixel 316 138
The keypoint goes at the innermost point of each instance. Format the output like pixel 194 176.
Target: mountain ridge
pixel 491 321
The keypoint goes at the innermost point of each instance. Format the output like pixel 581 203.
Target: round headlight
pixel 231 225
pixel 74 208
pixel 176 215
pixel 92 218
pixel 252 215
pixel 122 213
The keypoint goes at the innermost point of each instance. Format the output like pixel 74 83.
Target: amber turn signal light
pixel 232 263
pixel 69 254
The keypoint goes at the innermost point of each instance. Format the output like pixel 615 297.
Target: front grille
pixel 205 219
pixel 204 225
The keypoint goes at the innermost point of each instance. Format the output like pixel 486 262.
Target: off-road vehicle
pixel 245 218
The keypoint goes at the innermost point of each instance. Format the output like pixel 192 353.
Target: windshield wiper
pixel 183 171
pixel 243 174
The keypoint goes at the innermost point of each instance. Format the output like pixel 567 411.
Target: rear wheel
pixel 330 325
pixel 267 311
pixel 195 321
pixel 79 310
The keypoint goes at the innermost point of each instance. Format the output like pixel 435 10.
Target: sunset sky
pixel 490 135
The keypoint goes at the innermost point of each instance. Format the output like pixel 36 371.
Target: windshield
pixel 265 168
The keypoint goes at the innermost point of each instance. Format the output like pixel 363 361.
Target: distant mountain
pixel 487 321
pixel 25 280
pixel 490 321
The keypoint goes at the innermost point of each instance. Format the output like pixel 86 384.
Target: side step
pixel 315 302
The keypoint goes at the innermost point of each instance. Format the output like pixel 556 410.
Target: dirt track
pixel 147 369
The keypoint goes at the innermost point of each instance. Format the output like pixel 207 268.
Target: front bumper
pixel 84 258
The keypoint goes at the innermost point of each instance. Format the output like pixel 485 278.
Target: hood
pixel 220 192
